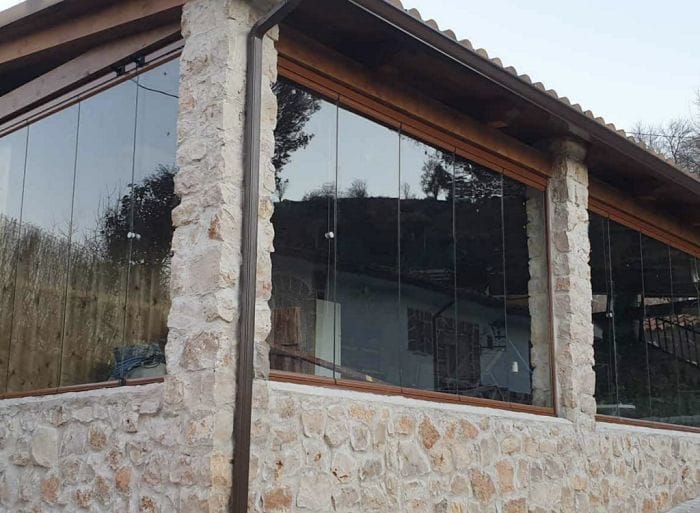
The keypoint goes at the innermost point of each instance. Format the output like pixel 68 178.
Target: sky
pixel 626 60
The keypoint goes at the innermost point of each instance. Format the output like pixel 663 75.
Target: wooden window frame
pixel 432 128
pixel 48 105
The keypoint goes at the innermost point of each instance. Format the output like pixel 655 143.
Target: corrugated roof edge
pixel 481 52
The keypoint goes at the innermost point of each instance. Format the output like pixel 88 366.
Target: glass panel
pixel 659 329
pixel 628 314
pixel 367 249
pixel 428 308
pixel 603 340
pixel 302 338
pixel 98 259
pixel 43 253
pixel 527 357
pixel 145 220
pixel 482 367
pixel 685 329
pixel 13 150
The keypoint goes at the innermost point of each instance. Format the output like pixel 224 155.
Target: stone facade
pixel 571 282
pixel 318 450
pixel 165 447
pixel 168 447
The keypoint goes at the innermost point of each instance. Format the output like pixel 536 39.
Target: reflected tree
pixel 295 107
pixel 146 212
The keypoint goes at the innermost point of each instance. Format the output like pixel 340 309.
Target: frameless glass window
pixel 603 340
pixel 684 327
pixel 645 315
pixel 303 337
pixel 42 266
pixel 13 152
pixel 367 247
pixel 427 308
pixel 143 217
pixel 481 340
pixel 627 307
pixel 526 370
pixel 86 196
pixel 405 265
pixel 98 266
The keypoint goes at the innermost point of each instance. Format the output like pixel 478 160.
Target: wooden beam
pixel 360 85
pixel 627 210
pixel 82 69
pixel 94 22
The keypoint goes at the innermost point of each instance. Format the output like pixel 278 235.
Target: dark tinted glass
pixel 428 307
pixel 432 273
pixel 303 336
pixel 367 291
pixel 481 321
pixel 525 369
pixel 685 332
pixel 627 307
pixel 603 339
pixel 646 316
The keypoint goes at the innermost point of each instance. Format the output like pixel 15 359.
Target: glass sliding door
pixel 45 240
pixel 645 315
pixel 13 152
pixel 304 336
pixel 99 257
pixel 399 263
pixel 367 259
pixel 145 219
pixel 482 341
pixel 85 229
pixel 427 308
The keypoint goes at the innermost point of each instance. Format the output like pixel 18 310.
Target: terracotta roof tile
pixel 415 13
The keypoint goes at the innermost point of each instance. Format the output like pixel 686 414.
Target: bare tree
pixel 678 140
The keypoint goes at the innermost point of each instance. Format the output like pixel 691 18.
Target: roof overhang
pixel 38 36
pixel 397 44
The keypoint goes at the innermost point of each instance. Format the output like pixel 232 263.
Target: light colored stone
pixel 45 446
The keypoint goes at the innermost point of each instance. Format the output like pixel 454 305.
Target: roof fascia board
pixel 25 10
pixel 94 22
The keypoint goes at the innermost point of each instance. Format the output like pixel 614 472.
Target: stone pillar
pixel 538 299
pixel 571 282
pixel 206 265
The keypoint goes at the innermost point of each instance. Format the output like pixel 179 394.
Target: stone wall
pixel 321 450
pixel 166 447
pixel 104 450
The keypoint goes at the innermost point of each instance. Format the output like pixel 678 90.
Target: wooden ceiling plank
pixel 81 69
pixel 94 22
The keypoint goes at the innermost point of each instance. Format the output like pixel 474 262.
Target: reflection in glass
pixel 303 336
pixel 481 368
pixel 603 340
pixel 684 327
pixel 146 214
pixel 526 362
pixel 646 314
pixel 390 256
pixel 427 308
pixel 367 247
pixel 75 188
pixel 13 150
pixel 42 267
pixel 627 306
pixel 98 267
